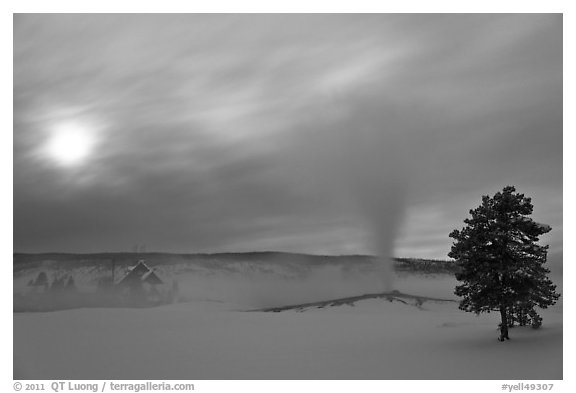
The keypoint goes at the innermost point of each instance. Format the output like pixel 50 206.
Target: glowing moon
pixel 70 143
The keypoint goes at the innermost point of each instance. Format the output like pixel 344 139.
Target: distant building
pixel 140 278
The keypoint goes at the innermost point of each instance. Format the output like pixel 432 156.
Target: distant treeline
pixel 425 265
pixel 23 261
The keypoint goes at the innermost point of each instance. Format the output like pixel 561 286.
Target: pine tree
pixel 501 264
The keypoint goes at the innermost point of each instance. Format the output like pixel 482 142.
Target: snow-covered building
pixel 140 277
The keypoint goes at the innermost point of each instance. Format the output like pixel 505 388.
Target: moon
pixel 70 143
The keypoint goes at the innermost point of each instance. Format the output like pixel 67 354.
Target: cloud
pixel 250 131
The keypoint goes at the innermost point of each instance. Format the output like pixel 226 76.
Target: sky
pixel 315 133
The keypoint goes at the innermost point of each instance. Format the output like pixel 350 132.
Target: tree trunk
pixel 504 324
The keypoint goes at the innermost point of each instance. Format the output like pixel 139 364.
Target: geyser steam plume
pixel 375 176
pixel 361 157
pixel 382 207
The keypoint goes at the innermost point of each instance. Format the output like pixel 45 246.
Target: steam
pixel 359 160
pixel 382 207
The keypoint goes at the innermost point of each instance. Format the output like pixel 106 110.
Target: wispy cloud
pixel 232 131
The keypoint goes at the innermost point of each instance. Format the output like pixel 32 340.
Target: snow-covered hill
pixel 213 332
pixel 375 339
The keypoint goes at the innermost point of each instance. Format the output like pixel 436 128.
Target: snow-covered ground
pixel 215 337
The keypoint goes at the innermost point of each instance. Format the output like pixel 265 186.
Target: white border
pixel 247 6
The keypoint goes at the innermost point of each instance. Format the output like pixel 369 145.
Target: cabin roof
pixel 140 273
